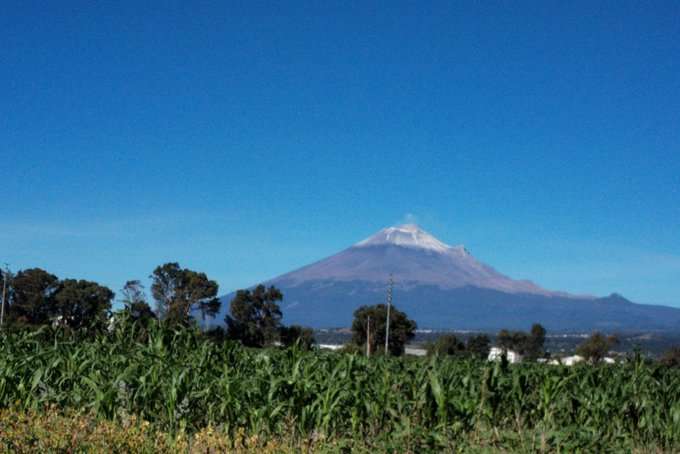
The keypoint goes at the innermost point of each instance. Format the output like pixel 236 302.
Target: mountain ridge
pixel 409 253
pixel 445 287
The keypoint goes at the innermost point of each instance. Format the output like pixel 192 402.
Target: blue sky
pixel 245 141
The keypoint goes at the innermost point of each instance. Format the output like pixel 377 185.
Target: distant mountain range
pixel 445 287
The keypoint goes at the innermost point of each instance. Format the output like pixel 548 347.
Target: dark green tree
pixel 671 358
pixel 512 340
pixel 216 334
pixel 402 329
pixel 136 307
pixel 5 295
pixel 165 281
pixel 534 348
pixel 179 291
pixel 82 304
pixel 255 317
pixel 478 346
pixel 595 348
pixel 446 344
pixel 298 335
pixel 31 297
pixel 529 344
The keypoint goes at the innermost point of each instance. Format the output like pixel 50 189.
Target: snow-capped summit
pixel 408 235
pixel 442 286
pixel 412 257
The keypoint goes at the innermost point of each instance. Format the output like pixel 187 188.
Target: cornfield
pixel 180 382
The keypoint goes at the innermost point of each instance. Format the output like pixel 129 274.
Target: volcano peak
pixel 444 286
pixel 405 235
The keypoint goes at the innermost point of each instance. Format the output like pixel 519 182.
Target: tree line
pixel 182 298
pixel 530 345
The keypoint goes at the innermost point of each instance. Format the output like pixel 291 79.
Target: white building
pixel 496 353
pixel 330 346
pixel 571 360
pixel 575 359
pixel 413 351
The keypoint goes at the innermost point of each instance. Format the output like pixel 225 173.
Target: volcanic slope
pixel 445 287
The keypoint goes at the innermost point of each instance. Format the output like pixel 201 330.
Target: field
pixel 178 391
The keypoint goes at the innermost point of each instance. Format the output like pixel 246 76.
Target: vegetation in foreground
pixel 51 431
pixel 182 384
pixel 75 377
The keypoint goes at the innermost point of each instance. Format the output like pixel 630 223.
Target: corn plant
pixel 179 381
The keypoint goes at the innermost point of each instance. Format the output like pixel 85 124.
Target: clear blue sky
pixel 245 141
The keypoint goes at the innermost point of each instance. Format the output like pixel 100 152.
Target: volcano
pixel 445 287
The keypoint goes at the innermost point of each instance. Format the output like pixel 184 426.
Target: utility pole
pixel 5 272
pixel 368 337
pixel 389 306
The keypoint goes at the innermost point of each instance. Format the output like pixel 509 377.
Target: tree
pixel 216 334
pixel 534 348
pixel 31 297
pixel 80 303
pixel 165 280
pixel 671 358
pixel 298 335
pixel 595 348
pixel 178 291
pixel 402 329
pixel 512 340
pixel 135 303
pixel 255 317
pixel 529 345
pixel 446 344
pixel 5 291
pixel 479 346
